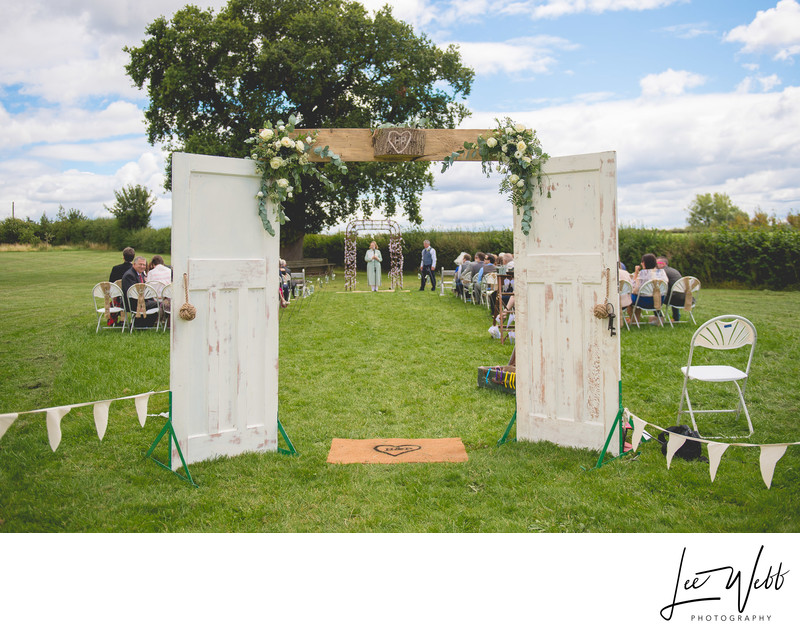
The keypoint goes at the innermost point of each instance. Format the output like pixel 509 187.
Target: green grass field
pixel 366 366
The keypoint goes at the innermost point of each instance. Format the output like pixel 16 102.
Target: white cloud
pixel 557 8
pixel 749 84
pixel 670 83
pixel 689 31
pixel 775 29
pixel 532 54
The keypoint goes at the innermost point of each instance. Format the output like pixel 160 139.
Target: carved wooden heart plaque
pixel 399 140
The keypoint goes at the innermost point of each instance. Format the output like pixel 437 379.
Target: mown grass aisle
pixel 399 365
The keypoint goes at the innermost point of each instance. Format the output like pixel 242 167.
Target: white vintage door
pixel 224 363
pixel 568 364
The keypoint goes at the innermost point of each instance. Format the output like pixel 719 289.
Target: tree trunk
pixel 293 251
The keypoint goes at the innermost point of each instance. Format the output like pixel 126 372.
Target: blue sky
pixel 695 96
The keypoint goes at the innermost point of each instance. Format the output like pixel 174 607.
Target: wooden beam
pixel 355 145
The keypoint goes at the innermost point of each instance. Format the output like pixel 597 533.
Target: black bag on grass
pixel 690 450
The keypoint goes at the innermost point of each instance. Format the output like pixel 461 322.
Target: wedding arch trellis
pixel 395 250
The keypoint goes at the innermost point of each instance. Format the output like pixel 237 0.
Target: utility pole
pixel 12 210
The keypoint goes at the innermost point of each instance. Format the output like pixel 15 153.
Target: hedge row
pixel 767 258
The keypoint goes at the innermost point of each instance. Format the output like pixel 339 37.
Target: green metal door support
pixel 172 437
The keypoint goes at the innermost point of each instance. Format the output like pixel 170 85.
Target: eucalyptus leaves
pixel 281 155
pixel 521 159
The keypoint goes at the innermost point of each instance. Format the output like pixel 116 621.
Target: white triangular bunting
pixel 638 430
pixel 54 416
pixel 6 420
pixel 675 442
pixel 101 417
pixel 141 406
pixel 770 454
pixel 715 451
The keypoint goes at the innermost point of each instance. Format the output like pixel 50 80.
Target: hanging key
pixel 611 316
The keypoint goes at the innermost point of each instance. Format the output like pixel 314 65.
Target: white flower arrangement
pixel 281 159
pixel 520 157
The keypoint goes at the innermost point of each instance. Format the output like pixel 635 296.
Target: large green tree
pixel 133 207
pixel 212 78
pixel 714 211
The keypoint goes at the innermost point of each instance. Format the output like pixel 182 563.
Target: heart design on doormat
pixel 396 450
pixel 399 140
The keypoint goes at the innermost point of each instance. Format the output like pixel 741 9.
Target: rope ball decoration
pixel 187 311
pixel 606 309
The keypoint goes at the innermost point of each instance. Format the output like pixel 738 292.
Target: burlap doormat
pixel 393 450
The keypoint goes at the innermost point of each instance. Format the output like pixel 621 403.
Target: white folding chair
pixel 723 333
pixel 488 286
pixel 689 286
pixel 656 289
pixel 147 292
pixel 625 287
pixel 298 284
pixel 166 305
pixel 447 280
pixel 466 286
pixel 107 302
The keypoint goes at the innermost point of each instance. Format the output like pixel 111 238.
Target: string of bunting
pixel 54 415
pixel 770 453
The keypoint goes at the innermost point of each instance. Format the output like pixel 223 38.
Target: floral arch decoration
pixel 395 250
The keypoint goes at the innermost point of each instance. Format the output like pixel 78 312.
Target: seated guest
pixel 491 264
pixel 477 263
pixel 286 280
pixel 648 270
pixel 673 275
pixel 116 274
pixel 133 276
pixel 119 270
pixel 466 261
pixel 624 299
pixel 159 273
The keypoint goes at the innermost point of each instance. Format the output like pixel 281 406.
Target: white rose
pixel 520 127
pixel 517 154
pixel 521 184
pixel 521 145
pixel 281 127
pixel 254 156
pixel 513 178
pixel 277 144
pixel 287 142
pixel 266 134
pixel 509 131
pixel 309 140
pixel 526 159
pixel 276 163
pixel 300 146
pixel 505 148
pixel 491 142
pixel 283 182
pixel 260 194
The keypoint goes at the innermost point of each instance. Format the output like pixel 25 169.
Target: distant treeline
pixel 766 257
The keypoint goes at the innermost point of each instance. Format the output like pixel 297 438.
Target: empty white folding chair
pixel 298 284
pixel 107 303
pixel 625 288
pixel 447 280
pixel 656 289
pixel 723 333
pixel 688 286
pixel 466 286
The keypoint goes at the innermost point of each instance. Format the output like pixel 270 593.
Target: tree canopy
pixel 133 207
pixel 714 211
pixel 213 78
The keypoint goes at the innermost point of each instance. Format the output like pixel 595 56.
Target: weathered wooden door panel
pixel 568 365
pixel 224 363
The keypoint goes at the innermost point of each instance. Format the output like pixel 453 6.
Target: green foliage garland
pixel 521 159
pixel 281 159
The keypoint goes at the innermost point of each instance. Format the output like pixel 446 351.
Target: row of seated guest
pixel 133 270
pixel 652 268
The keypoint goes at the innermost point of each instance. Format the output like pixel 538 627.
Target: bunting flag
pixel 715 451
pixel 54 416
pixel 101 409
pixel 101 417
pixel 770 453
pixel 141 406
pixel 5 422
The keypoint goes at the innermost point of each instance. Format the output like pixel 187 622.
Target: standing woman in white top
pixel 374 259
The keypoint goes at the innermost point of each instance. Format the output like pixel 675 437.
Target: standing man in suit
pixel 427 265
pixel 137 275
